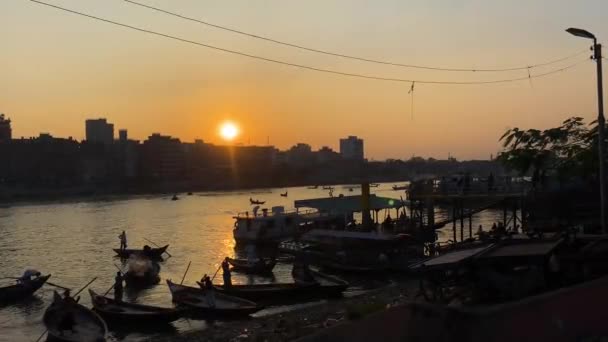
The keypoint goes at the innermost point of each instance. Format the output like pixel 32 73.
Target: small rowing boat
pixel 17 292
pixel 197 301
pixel 126 314
pixel 153 253
pixel 260 267
pixel 147 278
pixel 257 202
pixel 269 293
pixel 69 321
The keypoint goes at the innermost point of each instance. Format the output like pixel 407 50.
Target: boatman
pixel 118 287
pixel 27 276
pixel 123 240
pixel 209 291
pixel 226 273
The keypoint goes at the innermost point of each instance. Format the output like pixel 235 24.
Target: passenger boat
pixel 16 292
pixel 72 322
pixel 121 313
pixel 154 253
pixel 260 267
pixel 143 279
pixel 225 306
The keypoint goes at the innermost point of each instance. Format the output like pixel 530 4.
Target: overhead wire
pixel 341 55
pixel 302 66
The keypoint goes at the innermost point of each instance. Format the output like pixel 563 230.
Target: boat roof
pixel 518 249
pixel 349 204
pixel 452 258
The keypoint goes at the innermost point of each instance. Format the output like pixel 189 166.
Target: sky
pixel 58 69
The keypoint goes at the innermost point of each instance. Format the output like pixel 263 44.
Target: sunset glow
pixel 229 131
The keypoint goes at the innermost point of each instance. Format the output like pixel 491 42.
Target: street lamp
pixel 597 55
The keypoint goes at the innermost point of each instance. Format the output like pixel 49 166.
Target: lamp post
pixel 597 55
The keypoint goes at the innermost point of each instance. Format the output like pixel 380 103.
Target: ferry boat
pixel 275 226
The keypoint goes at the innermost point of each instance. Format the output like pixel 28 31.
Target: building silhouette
pixel 351 148
pixel 99 131
pixel 6 133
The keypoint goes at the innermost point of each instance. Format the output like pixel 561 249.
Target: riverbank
pixel 301 322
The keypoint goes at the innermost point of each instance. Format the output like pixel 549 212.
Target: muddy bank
pixel 305 321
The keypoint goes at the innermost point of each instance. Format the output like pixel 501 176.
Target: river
pixel 73 241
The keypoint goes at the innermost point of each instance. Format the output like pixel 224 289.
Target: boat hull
pixel 227 307
pixel 240 265
pixel 87 325
pixel 122 314
pixel 155 253
pixel 17 292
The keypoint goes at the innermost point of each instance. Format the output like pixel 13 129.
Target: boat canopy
pixel 349 204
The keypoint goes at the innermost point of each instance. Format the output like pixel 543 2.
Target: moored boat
pixel 352 268
pixel 270 293
pixel 153 253
pixel 121 313
pixel 69 321
pixel 260 267
pixel 225 306
pixel 17 292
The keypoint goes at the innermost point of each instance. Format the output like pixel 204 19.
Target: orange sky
pixel 59 69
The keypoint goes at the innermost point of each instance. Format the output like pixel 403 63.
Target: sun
pixel 229 131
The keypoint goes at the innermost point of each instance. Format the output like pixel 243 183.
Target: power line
pixel 528 67
pixel 301 65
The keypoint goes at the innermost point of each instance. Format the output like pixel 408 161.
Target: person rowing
pixel 209 291
pixel 27 275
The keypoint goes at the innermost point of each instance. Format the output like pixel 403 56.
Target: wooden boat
pixel 174 198
pixel 270 293
pixel 252 201
pixel 85 325
pixel 284 194
pixel 313 187
pixel 225 306
pixel 16 292
pixel 149 278
pixel 241 265
pixel 122 313
pixel 400 187
pixel 154 253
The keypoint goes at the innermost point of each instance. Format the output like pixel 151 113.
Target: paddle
pixel 84 287
pixel 152 242
pixel 184 277
pixel 47 283
pixel 218 269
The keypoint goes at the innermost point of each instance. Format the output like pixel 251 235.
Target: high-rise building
pixel 99 131
pixel 122 135
pixel 352 148
pixel 6 133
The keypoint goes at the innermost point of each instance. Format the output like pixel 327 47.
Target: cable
pixel 349 56
pixel 300 65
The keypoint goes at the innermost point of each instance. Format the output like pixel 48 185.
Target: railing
pixel 260 213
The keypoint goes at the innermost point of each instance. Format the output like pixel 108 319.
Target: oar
pixel 152 242
pixel 59 286
pixel 84 287
pixel 184 277
pixel 111 287
pixel 119 269
pixel 47 283
pixel 218 269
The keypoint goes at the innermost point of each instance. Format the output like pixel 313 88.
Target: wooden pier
pixel 464 201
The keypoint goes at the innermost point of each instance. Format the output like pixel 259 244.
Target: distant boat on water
pixel 258 202
pixel 313 187
pixel 284 194
pixel 174 198
pixel 400 187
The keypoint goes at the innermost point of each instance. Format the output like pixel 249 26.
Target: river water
pixel 73 241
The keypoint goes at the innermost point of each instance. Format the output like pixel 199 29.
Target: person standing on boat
pixel 226 273
pixel 209 291
pixel 118 287
pixel 123 240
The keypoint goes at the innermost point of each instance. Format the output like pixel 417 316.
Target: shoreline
pixel 300 322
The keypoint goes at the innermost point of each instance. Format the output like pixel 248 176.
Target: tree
pixel 566 150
